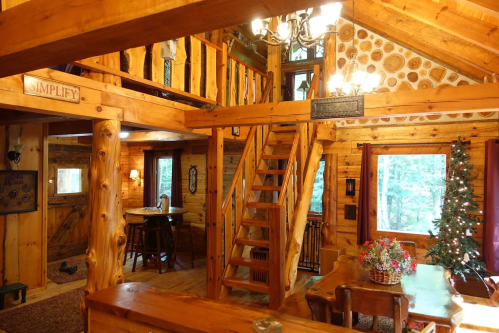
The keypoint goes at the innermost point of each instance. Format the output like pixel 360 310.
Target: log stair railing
pixel 275 215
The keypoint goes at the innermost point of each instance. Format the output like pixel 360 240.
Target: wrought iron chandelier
pixel 355 82
pixel 300 27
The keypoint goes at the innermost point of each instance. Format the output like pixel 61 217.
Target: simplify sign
pixel 51 89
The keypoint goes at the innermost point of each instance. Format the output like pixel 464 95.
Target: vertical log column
pixel 274 65
pixel 329 62
pixel 106 237
pixel 329 200
pixel 214 214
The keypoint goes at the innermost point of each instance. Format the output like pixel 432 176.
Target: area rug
pixel 58 314
pixel 59 277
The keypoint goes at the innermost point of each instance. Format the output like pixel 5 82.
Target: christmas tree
pixel 453 247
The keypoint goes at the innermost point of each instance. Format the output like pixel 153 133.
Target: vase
pixel 383 277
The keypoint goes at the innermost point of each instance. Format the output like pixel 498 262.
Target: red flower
pixel 391 239
pixel 370 246
pixel 361 258
pixel 365 244
pixel 394 264
pixel 382 243
pixel 405 255
pixel 413 266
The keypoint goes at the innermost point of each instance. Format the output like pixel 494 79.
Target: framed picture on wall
pixel 236 131
pixel 18 191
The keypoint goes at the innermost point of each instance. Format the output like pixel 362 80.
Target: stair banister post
pixel 277 245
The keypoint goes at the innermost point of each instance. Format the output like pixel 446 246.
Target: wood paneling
pixel 350 156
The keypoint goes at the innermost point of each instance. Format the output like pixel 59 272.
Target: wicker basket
pixel 383 277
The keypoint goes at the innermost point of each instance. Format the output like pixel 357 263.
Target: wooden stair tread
pixel 279 142
pixel 281 129
pixel 256 223
pixel 259 204
pixel 271 172
pixel 266 188
pixel 235 282
pixel 248 262
pixel 252 242
pixel 275 157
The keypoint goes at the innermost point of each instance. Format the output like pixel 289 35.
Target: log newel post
pixel 277 247
pixel 214 215
pixel 107 239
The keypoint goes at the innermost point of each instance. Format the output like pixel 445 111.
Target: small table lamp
pixel 303 87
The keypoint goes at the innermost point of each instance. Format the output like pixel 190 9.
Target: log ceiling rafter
pixel 471 98
pixel 443 47
pixel 64 31
pixel 453 21
pixel 488 7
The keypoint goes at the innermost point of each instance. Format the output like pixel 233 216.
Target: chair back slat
pixel 372 303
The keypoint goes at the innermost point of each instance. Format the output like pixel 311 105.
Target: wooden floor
pixel 480 316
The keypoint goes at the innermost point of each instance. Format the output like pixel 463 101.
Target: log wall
pixel 348 157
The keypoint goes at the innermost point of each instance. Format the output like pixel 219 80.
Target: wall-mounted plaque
pixel 350 212
pixel 337 107
pixel 18 192
pixel 51 89
pixel 350 187
pixel 193 179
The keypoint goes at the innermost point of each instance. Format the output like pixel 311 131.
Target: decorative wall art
pixel 18 192
pixel 350 187
pixel 193 179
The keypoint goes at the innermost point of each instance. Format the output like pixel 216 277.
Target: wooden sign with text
pixel 337 107
pixel 50 89
pixel 18 191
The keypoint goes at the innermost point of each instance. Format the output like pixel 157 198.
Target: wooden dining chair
pixel 430 328
pixel 372 303
pixel 411 247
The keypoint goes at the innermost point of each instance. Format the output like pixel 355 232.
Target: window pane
pixel 410 191
pixel 319 50
pixel 299 94
pixel 164 185
pixel 298 53
pixel 316 203
pixel 68 181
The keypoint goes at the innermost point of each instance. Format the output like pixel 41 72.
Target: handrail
pixel 287 175
pixel 239 169
pixel 268 85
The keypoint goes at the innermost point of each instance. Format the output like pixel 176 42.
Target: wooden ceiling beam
pixel 73 127
pixel 12 117
pixel 44 33
pixel 488 7
pixel 466 27
pixel 472 98
pixel 443 47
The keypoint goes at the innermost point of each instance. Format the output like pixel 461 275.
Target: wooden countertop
pixel 180 312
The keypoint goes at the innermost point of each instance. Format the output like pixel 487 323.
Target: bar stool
pixel 178 227
pixel 130 237
pixel 143 249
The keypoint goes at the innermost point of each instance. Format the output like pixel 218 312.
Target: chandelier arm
pixel 269 43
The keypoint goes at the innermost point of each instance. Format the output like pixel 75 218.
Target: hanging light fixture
pixel 300 27
pixel 355 82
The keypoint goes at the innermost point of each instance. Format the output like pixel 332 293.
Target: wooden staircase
pixel 281 144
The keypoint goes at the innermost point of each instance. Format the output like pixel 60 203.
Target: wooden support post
pixel 216 37
pixel 222 75
pixel 214 214
pixel 329 62
pixel 107 239
pixel 317 84
pixel 274 65
pixel 111 60
pixel 277 240
pixel 329 200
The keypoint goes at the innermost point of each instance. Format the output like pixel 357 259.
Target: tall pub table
pixel 428 290
pixel 158 217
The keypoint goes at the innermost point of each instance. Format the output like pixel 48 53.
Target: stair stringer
pixel 296 236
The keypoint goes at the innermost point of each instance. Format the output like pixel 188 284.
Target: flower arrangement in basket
pixel 387 261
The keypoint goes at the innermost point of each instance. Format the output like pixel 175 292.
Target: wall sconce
pixel 135 175
pixel 15 155
pixel 350 187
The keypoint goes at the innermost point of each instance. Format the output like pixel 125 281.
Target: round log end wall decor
pixel 193 179
pixel 341 47
pixel 408 54
pixel 437 73
pixel 401 75
pixel 414 63
pixel 392 82
pixel 346 32
pixel 425 84
pixel 463 83
pixel 378 43
pixel 423 72
pixel 366 46
pixel 349 51
pixel 363 59
pixel 376 55
pixel 389 47
pixel 412 77
pixel 453 77
pixel 393 63
pixel 341 62
pixel 362 34
pixel 371 69
pixel 404 85
pixel 427 64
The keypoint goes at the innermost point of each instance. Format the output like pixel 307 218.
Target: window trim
pixel 420 239
pixel 84 180
pixel 157 156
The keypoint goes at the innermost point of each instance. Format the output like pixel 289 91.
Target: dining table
pixel 431 296
pixel 159 217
